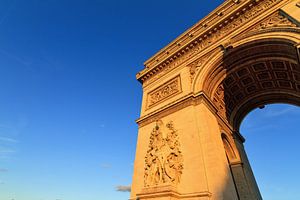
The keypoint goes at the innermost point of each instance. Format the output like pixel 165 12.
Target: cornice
pixel 190 34
pixel 274 23
pixel 169 191
pixel 188 100
pixel 263 31
pixel 215 26
pixel 181 103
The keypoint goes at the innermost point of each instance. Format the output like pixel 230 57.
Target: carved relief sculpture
pixel 194 67
pixel 243 55
pixel 169 89
pixel 163 161
pixel 275 20
pixel 237 20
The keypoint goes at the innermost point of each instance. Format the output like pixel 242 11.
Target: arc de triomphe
pixel 197 90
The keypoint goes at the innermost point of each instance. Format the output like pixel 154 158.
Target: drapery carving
pixel 163 161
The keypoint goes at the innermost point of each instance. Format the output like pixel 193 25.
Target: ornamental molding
pixel 275 23
pixel 200 36
pixel 164 160
pixel 169 190
pixel 164 92
pixel 183 102
pixel 279 30
pixel 275 20
pixel 166 191
pixel 195 67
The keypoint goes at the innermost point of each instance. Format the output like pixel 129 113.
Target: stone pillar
pixel 243 175
pixel 198 168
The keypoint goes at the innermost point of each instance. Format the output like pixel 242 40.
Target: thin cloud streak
pixel 3 170
pixel 7 139
pixel 4 151
pixel 277 113
pixel 16 58
pixel 5 154
pixel 260 128
pixel 123 188
pixel 105 166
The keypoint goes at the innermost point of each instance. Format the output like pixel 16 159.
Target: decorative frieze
pixel 207 38
pixel 185 101
pixel 164 160
pixel 164 92
pixel 275 20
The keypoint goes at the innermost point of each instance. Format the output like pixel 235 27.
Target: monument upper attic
pixel 203 35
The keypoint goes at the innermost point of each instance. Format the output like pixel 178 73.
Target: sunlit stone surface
pixel 198 89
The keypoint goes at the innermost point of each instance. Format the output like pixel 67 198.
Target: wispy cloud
pixel 123 188
pixel 16 58
pixel 275 188
pixel 3 170
pixel 6 153
pixel 9 134
pixel 105 165
pixel 277 113
pixel 7 139
pixel 260 128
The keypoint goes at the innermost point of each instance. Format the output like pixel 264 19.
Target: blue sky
pixel 272 144
pixel 69 98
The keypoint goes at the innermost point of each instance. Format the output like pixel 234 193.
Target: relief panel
pixel 167 90
pixel 164 160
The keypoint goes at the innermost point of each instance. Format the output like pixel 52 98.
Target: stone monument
pixel 197 90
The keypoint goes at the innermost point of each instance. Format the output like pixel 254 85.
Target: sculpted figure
pixel 163 161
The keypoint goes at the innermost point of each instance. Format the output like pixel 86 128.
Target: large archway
pixel 197 91
pixel 251 75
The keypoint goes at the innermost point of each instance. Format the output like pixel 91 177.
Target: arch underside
pixel 252 75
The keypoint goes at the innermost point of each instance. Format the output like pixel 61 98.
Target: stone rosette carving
pixel 165 91
pixel 164 160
